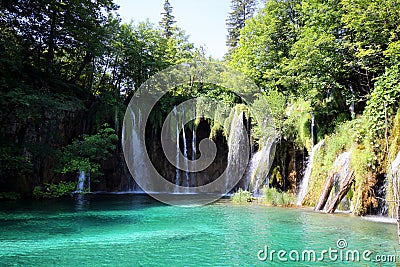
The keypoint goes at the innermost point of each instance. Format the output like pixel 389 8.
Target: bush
pixel 242 196
pixel 10 195
pixel 54 190
pixel 272 196
pixel 86 155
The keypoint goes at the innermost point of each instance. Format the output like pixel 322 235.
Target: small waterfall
pixel 176 190
pixel 185 155
pixel 259 167
pixel 236 143
pixel 303 189
pixel 394 177
pixel 83 183
pixel 352 105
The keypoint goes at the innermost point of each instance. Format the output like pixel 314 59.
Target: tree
pixel 241 11
pixel 167 20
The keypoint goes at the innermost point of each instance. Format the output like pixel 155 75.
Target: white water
pixel 194 148
pixel 303 189
pixel 80 187
pixel 394 174
pixel 236 143
pixel 260 164
pixel 138 153
pixel 176 190
pixel 185 158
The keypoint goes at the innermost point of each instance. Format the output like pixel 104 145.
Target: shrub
pixel 242 196
pixel 54 190
pixel 272 196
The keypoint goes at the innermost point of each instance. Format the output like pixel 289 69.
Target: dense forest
pixel 70 68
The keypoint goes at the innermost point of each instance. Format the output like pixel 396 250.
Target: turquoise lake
pixel 135 230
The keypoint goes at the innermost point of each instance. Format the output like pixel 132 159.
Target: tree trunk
pixel 344 188
pixel 325 192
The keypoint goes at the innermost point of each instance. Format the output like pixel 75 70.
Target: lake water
pixel 135 230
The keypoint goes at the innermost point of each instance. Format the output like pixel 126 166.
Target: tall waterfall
pixel 259 167
pixel 137 155
pixel 185 157
pixel 179 181
pixel 177 153
pixel 194 150
pixel 236 143
pixel 303 189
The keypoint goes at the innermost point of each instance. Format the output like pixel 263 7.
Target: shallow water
pixel 135 230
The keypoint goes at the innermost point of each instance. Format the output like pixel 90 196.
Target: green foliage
pixel 9 195
pixel 242 197
pixel 86 155
pixel 384 102
pixel 340 141
pixel 272 196
pixel 54 190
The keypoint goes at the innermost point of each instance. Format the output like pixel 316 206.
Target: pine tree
pixel 241 11
pixel 168 19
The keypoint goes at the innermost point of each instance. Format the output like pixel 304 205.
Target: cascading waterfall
pixel 137 156
pixel 177 152
pixel 237 142
pixel 303 189
pixel 259 167
pixel 185 157
pixel 178 180
pixel 194 147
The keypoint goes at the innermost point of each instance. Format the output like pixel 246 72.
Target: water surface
pixel 135 230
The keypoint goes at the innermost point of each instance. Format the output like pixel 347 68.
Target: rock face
pixel 167 170
pixel 36 141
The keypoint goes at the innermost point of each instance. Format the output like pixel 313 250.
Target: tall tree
pixel 241 11
pixel 167 20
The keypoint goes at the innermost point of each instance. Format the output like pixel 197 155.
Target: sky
pixel 202 20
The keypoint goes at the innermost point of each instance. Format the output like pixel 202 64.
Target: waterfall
pixel 236 141
pixel 259 167
pixel 176 190
pixel 185 157
pixel 303 189
pixel 83 183
pixel 137 154
pixel 394 174
pixel 194 147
